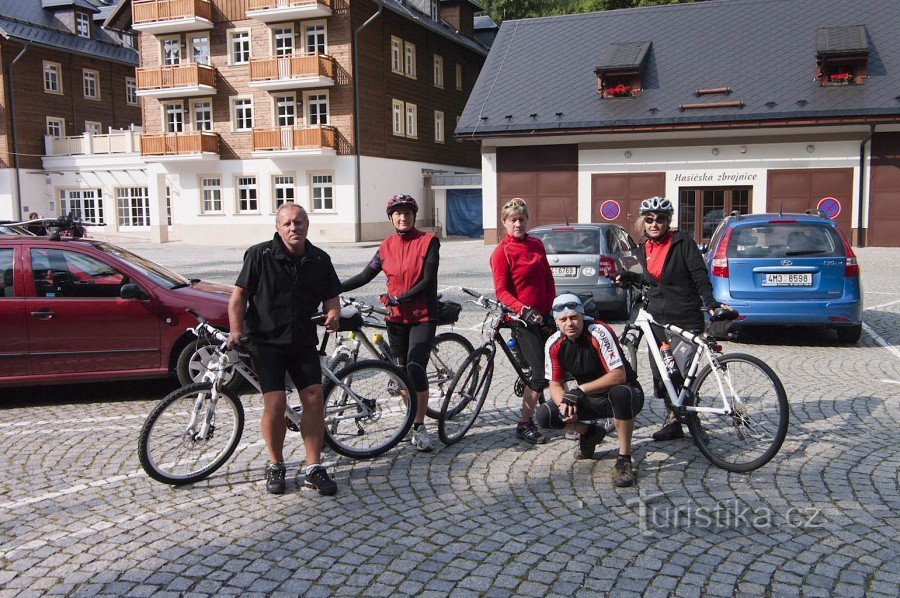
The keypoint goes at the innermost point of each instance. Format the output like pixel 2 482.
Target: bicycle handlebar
pixel 364 308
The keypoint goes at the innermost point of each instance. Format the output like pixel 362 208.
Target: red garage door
pixel 884 194
pixel 617 197
pixel 804 189
pixel 545 176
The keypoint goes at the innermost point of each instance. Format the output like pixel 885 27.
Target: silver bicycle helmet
pixel 657 204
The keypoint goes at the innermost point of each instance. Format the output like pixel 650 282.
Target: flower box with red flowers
pixel 840 78
pixel 619 91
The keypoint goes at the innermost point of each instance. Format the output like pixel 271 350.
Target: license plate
pixel 563 270
pixel 787 280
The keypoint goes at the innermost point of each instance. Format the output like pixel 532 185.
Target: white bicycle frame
pixel 645 322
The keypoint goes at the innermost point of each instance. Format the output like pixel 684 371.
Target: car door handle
pixel 45 314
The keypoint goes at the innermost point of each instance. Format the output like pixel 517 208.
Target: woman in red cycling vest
pixel 523 282
pixel 409 258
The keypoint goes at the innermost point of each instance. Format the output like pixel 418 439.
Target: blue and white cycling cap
pixel 567 303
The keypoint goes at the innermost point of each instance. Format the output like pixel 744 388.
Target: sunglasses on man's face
pixel 652 219
pixel 568 307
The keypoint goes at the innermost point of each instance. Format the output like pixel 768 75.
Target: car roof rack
pixel 69 224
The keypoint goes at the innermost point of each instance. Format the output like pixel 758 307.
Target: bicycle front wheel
pixel 751 435
pixel 369 411
pixel 186 437
pixel 448 353
pixel 465 395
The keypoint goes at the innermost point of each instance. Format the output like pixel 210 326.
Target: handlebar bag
pixel 448 312
pixel 351 320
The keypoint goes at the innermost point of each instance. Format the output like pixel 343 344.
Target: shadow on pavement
pixel 56 394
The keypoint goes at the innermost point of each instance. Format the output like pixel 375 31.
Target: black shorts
pixel 272 362
pixel 411 349
pixel 624 401
pixel 530 340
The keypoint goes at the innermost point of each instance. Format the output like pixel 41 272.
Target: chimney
pixel 460 14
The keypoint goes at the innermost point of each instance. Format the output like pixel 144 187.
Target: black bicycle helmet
pixel 402 201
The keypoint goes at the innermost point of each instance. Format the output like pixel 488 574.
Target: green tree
pixel 500 10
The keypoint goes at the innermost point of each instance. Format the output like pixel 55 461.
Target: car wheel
pixel 192 365
pixel 849 335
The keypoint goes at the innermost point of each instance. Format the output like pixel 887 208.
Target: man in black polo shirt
pixel 279 289
pixel 606 386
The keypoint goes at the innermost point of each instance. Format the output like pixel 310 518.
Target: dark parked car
pixel 581 255
pixel 80 310
pixel 786 269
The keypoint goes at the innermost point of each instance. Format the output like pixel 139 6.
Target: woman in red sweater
pixel 523 282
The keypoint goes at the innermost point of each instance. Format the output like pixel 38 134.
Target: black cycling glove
pixel 573 396
pixel 531 316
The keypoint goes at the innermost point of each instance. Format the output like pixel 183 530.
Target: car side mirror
pixel 131 291
pixel 703 247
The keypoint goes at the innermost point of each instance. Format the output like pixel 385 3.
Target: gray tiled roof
pixel 85 4
pixel 764 50
pixel 484 22
pixel 27 20
pixel 840 40
pixel 439 28
pixel 620 57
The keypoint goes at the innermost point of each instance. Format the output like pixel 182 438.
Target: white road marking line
pixel 68 430
pixel 56 422
pixel 71 490
pixel 889 303
pixel 880 340
pixel 889 381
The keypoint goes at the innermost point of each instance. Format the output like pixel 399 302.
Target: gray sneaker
pixel 623 473
pixel 587 442
pixel 421 439
pixel 275 478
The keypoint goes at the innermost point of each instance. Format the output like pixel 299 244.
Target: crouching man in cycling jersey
pixel 606 386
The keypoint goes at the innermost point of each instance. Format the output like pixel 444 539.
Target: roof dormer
pixel 620 72
pixel 842 55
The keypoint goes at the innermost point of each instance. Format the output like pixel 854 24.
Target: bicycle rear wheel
pixel 748 438
pixel 448 353
pixel 173 450
pixel 370 411
pixel 465 395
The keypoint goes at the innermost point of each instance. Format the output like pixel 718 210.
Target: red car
pixel 78 310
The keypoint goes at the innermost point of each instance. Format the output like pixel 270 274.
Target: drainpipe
pixel 860 237
pixel 17 202
pixel 358 234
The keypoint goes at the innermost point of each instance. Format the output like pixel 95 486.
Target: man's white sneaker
pixel 421 439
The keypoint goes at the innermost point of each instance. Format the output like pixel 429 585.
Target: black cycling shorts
pixel 411 349
pixel 272 362
pixel 531 344
pixel 624 401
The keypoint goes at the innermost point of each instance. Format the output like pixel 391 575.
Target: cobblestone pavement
pixel 488 515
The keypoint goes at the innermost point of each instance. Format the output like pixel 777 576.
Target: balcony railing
pixel 123 142
pixel 150 12
pixel 282 139
pixel 276 10
pixel 180 144
pixel 182 79
pixel 285 69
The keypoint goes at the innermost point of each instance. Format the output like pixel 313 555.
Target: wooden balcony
pixel 292 72
pixel 180 81
pixel 275 11
pixel 294 141
pixel 181 146
pixel 171 16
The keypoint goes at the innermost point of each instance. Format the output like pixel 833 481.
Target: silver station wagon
pixel 581 255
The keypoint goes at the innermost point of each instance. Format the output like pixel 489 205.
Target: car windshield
pixel 778 240
pixel 155 272
pixel 561 241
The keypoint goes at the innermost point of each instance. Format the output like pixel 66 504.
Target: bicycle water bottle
pixel 383 348
pixel 665 351
pixel 517 351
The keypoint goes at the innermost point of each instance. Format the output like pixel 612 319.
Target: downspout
pixel 358 233
pixel 860 237
pixel 17 204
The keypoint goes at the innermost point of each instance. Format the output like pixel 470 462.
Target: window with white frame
pixel 435 13
pixel 52 80
pixel 86 204
pixel 411 120
pixel 168 206
pixel 316 40
pixel 133 206
pixel 459 81
pixel 201 111
pixel 91 79
pixel 93 127
pixel 283 188
pixel 286 110
pixel 438 71
pixel 56 127
pixel 82 24
pixel 409 62
pixel 397 111
pixel 211 192
pixel 283 40
pixel 316 106
pixel 321 189
pixel 438 126
pixel 173 117
pixel 199 48
pixel 128 40
pixel 397 55
pixel 239 45
pixel 171 51
pixel 131 97
pixel 247 200
pixel 242 114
